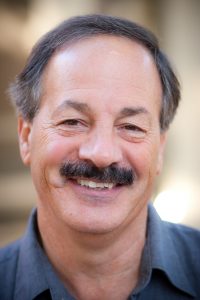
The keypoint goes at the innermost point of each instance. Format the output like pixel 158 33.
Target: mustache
pixel 111 174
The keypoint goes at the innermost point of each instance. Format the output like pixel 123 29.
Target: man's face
pixel 100 106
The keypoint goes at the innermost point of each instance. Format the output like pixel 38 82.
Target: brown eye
pixel 72 122
pixel 73 126
pixel 131 132
pixel 132 128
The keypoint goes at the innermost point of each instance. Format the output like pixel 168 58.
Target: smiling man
pixel 94 104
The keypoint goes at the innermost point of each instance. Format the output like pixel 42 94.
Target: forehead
pixel 104 68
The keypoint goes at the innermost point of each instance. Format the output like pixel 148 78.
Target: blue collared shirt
pixel 170 267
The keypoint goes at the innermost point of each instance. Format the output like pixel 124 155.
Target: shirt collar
pixel 160 253
pixel 30 280
pixel 165 254
pixel 35 275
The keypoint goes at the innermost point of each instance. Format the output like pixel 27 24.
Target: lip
pixel 94 195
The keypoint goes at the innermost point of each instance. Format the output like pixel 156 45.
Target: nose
pixel 101 149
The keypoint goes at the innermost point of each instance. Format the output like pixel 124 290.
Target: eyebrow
pixel 84 108
pixel 69 103
pixel 130 111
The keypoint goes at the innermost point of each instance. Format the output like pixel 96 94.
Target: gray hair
pixel 25 91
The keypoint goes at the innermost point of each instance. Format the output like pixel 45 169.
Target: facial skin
pixel 100 103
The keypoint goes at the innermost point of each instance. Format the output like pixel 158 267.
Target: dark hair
pixel 25 91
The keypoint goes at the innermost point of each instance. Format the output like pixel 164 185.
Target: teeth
pixel 94 185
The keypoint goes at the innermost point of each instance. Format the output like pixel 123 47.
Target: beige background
pixel 177 24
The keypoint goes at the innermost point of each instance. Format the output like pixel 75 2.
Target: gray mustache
pixel 112 173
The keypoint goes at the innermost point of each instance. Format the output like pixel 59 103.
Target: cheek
pixel 56 151
pixel 46 164
pixel 143 158
pixel 61 149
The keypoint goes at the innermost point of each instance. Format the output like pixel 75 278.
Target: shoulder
pixel 177 237
pixel 186 244
pixel 9 254
pixel 8 266
pixel 183 235
pixel 179 247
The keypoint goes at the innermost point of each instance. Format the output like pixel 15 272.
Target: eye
pixel 131 132
pixel 72 126
pixel 131 127
pixel 71 122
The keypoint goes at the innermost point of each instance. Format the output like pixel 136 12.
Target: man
pixel 94 103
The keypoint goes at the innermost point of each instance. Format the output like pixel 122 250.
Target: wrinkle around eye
pixel 71 127
pixel 132 133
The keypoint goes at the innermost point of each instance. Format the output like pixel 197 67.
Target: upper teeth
pixel 94 185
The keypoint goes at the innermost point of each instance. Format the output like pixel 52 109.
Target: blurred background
pixel 177 24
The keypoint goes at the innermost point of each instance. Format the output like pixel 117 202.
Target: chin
pixel 94 224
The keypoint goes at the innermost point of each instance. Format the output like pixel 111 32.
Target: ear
pixel 163 139
pixel 24 133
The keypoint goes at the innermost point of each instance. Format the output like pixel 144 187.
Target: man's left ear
pixel 24 134
pixel 163 139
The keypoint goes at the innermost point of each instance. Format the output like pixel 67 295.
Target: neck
pixel 96 266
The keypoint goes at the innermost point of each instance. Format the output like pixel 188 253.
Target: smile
pixel 95 185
